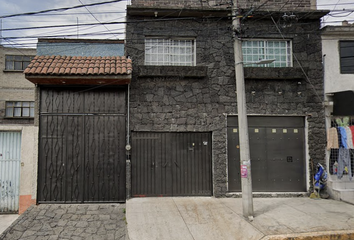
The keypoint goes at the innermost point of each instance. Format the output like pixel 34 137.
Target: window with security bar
pixel 19 109
pixel 255 50
pixel 17 62
pixel 170 52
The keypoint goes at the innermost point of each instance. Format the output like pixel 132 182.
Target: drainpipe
pixel 128 119
pixel 128 148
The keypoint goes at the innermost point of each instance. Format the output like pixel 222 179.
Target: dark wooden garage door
pixel 81 150
pixel 277 148
pixel 171 164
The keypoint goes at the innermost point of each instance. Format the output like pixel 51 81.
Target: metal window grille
pixel 255 50
pixel 17 62
pixel 19 109
pixel 346 56
pixel 176 52
pixel 334 152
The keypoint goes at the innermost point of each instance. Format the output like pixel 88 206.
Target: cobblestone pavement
pixel 68 221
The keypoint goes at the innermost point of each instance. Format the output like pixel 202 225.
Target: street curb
pixel 330 235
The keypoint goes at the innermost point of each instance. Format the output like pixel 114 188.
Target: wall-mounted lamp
pixel 263 61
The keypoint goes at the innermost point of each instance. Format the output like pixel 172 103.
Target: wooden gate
pixel 81 151
pixel 171 164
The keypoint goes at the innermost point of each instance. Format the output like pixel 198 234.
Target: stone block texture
pixel 180 103
pixel 274 5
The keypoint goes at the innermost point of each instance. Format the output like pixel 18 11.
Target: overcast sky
pixel 112 12
pixel 341 10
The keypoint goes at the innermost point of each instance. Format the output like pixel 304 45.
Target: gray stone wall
pixel 276 5
pixel 182 103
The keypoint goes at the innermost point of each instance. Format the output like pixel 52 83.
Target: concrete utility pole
pixel 245 160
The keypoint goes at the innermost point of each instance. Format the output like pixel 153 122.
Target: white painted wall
pixel 335 81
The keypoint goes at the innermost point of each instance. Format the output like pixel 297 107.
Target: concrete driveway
pixel 207 218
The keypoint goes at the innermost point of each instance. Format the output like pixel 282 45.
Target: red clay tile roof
pixel 78 66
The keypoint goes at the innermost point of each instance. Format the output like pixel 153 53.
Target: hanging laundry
pixel 342 138
pixel 343 123
pixel 349 137
pixel 335 167
pixel 332 138
pixel 344 161
pixel 352 130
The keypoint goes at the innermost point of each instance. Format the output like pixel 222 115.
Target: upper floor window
pixel 17 62
pixel 255 50
pixel 176 52
pixel 19 109
pixel 346 51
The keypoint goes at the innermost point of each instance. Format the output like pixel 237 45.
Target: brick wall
pixel 294 5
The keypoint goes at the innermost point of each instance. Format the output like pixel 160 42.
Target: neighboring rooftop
pixel 80 47
pixel 48 69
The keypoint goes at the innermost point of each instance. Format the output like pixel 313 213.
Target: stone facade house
pixel 18 134
pixel 338 56
pixel 183 110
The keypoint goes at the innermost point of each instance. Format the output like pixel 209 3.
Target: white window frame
pixel 19 109
pixel 161 51
pixel 258 49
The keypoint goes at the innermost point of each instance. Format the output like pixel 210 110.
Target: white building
pixel 338 61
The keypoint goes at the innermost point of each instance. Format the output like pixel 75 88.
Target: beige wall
pixel 15 87
pixel 29 156
pixel 14 79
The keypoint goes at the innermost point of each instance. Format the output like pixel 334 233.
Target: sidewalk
pixel 6 220
pixel 210 218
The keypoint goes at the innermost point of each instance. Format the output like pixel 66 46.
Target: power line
pixel 59 9
pixel 91 24
pixel 298 62
pixel 97 19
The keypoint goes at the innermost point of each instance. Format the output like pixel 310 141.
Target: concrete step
pixel 344 183
pixel 345 195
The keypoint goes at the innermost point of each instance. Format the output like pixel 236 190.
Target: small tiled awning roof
pixel 79 70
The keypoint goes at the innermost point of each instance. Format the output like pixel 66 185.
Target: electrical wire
pixel 66 28
pixel 298 62
pixel 59 9
pixel 97 19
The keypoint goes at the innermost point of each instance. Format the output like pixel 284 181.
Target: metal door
pixel 171 164
pixel 81 151
pixel 277 149
pixel 10 160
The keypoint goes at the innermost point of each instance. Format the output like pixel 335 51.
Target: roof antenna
pixel 0 31
pixel 77 22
